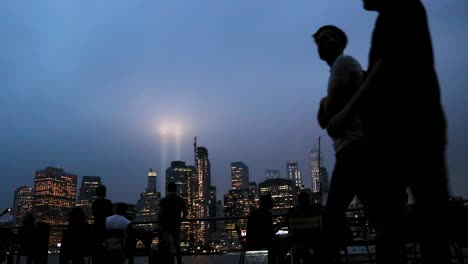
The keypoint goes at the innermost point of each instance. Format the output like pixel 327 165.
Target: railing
pixel 220 242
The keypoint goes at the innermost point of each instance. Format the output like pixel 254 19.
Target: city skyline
pixel 160 185
pixel 89 85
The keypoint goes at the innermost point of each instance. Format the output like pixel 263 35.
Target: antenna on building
pixel 320 168
pixel 195 148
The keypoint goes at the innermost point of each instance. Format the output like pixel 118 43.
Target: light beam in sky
pixel 169 131
pixel 178 136
pixel 163 132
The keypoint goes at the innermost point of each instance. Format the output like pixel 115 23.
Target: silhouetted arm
pixel 322 116
pixel 343 118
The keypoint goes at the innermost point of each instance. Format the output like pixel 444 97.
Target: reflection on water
pixel 253 257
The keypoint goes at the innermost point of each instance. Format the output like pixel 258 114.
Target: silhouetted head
pixel 76 217
pixel 373 5
pixel 121 208
pixel 171 187
pixel 304 199
pixel 331 42
pixel 266 202
pixel 101 191
pixel 28 219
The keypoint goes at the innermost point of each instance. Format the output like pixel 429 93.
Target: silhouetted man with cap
pixel 350 175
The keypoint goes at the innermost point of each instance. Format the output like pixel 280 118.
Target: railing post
pixel 131 244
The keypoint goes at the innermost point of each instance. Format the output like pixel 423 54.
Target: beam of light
pixel 163 130
pixel 178 137
pixel 170 131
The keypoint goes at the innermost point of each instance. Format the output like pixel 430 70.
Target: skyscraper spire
pixel 195 148
pixel 152 181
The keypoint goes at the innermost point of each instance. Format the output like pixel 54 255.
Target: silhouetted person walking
pixel 102 208
pixel 402 117
pixel 172 212
pixel 350 175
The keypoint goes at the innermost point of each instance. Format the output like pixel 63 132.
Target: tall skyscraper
pixel 319 175
pixel 272 174
pixel 294 173
pixel 239 175
pixel 324 184
pixel 232 199
pixel 211 226
pixel 54 195
pixel 87 194
pixel 315 164
pixel 152 181
pixel 202 183
pixel 22 202
pixel 282 192
pixel 147 207
pixel 183 176
pixel 240 182
pixel 212 201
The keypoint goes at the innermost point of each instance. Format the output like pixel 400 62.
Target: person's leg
pixel 430 189
pixel 176 236
pixel 342 191
pixel 386 206
pixel 166 247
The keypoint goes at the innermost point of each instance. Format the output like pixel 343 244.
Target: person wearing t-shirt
pixel 115 222
pixel 349 178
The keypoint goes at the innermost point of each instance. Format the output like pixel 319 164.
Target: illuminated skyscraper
pixel 315 164
pixel 212 201
pixel 282 192
pixel 87 194
pixel 294 173
pixel 147 207
pixel 201 193
pixel 231 208
pixel 239 175
pixel 22 202
pixel 152 181
pixel 240 187
pixel 183 176
pixel 211 226
pixel 54 195
pixel 272 174
pixel 318 174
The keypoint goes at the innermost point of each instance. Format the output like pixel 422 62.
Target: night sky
pixel 91 85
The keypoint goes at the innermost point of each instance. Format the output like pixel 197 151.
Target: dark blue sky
pixel 88 84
